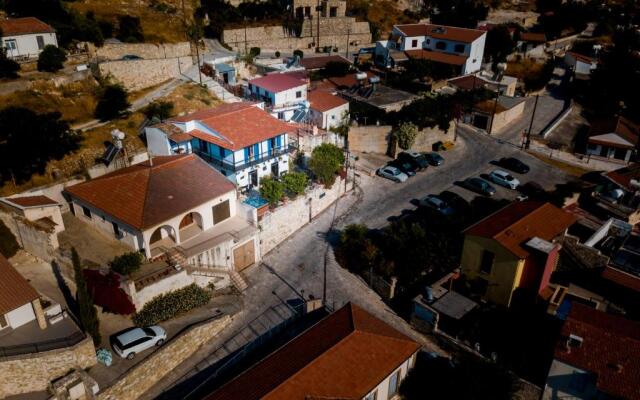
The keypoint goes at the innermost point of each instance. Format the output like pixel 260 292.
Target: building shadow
pixel 72 304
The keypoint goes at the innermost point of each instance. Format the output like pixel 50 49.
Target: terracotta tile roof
pixel 347 80
pixel 622 278
pixel 468 82
pixel 144 196
pixel 275 83
pixel 624 176
pixel 533 37
pixel 15 291
pixel 610 350
pixel 313 63
pixel 350 349
pixel 453 33
pixel 173 132
pixel 24 26
pixel 445 58
pixel 323 101
pixel 620 126
pixel 581 57
pixel 520 221
pixel 31 201
pixel 239 125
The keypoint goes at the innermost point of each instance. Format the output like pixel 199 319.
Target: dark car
pixel 514 165
pixel 434 158
pixel 404 166
pixel 533 190
pixel 130 57
pixel 479 186
pixel 416 159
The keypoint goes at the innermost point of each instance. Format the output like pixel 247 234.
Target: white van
pixel 134 340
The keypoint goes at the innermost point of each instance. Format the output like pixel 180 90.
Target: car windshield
pixel 508 177
pixel 149 331
pixel 394 172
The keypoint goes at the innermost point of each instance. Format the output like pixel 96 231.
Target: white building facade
pixel 25 38
pixel 283 94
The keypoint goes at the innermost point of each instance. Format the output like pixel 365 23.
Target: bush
pixel 8 67
pixel 129 29
pixel 51 59
pixel 538 79
pixel 172 304
pixel 254 52
pixel 87 312
pixel 127 263
pixel 406 135
pixel 112 103
pixel 295 183
pixel 326 160
pixel 8 244
pixel 159 109
pixel 271 190
pixel 298 53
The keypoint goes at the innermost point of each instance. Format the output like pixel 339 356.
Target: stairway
pixel 176 257
pixel 238 281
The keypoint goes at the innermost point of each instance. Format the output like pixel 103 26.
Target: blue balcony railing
pixel 253 160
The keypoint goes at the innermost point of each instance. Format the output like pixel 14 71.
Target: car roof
pixel 130 335
pixel 500 172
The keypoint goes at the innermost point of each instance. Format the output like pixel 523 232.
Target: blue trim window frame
pixel 278 141
pixel 203 146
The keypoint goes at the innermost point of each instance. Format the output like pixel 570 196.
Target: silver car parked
pixel 505 179
pixel 392 173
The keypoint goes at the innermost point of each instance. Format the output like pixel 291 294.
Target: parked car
pixel 404 167
pixel 533 190
pixel 392 173
pixel 436 203
pixel 130 57
pixel 513 164
pixel 479 186
pixel 134 340
pixel 503 178
pixel 418 160
pixel 434 158
pixel 455 201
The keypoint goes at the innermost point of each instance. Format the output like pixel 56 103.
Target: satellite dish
pixel 117 134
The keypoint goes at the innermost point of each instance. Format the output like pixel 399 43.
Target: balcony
pixel 29 338
pixel 253 160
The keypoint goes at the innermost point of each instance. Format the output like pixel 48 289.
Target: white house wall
pixel 289 96
pixel 558 385
pixel 241 177
pixel 27 45
pixel 20 316
pixel 157 142
pixel 383 387
pixel 474 62
pixel 53 212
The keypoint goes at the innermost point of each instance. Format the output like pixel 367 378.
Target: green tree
pixel 406 135
pixel 325 162
pixel 8 68
pixel 356 252
pixel 129 29
pixel 160 110
pixel 271 190
pixel 112 103
pixel 538 79
pixel 127 263
pixel 336 68
pixel 51 59
pixel 88 314
pixel 499 44
pixel 8 244
pixel 295 183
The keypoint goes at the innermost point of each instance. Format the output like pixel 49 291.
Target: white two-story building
pixel 25 38
pixel 451 45
pixel 284 94
pixel 241 140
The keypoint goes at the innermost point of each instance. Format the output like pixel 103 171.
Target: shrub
pixel 172 304
pixel 129 29
pixel 326 160
pixel 8 67
pixel 51 59
pixel 112 103
pixel 159 109
pixel 298 53
pixel 254 52
pixel 8 244
pixel 87 312
pixel 127 263
pixel 538 78
pixel 295 183
pixel 271 190
pixel 406 135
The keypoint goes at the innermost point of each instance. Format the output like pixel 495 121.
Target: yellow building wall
pixel 505 274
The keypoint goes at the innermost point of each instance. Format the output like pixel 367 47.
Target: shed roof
pixel 24 26
pixel 452 33
pixel 15 291
pixel 275 83
pixel 30 201
pixel 323 101
pixel 436 56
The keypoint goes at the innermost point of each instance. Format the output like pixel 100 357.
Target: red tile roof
pixel 445 58
pixel 624 176
pixel 520 221
pixel 468 82
pixel 347 80
pixel 533 37
pixel 275 83
pixel 15 291
pixel 144 196
pixel 239 125
pixel 621 126
pixel 323 101
pixel 24 26
pixel 344 356
pixel 31 201
pixel 622 278
pixel 313 63
pixel 610 350
pixel 441 32
pixel 173 133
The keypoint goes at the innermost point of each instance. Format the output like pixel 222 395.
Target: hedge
pixel 172 304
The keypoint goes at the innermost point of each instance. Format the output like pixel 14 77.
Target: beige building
pixel 493 116
pixel 37 208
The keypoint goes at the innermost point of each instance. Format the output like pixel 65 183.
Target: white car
pixel 503 178
pixel 134 340
pixel 392 173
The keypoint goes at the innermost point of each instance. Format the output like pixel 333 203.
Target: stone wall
pixel 333 32
pixel 33 372
pixel 277 225
pixel 150 371
pixel 140 74
pixel 427 137
pixel 144 50
pixel 369 139
pixel 35 238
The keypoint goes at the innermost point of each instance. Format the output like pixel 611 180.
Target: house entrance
pixel 253 178
pixel 244 256
pixel 275 169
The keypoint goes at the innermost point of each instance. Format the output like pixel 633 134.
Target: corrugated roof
pixel 323 101
pixel 610 350
pixel 15 291
pixel 344 356
pixel 24 26
pixel 436 56
pixel 441 32
pixel 520 221
pixel 144 196
pixel 275 83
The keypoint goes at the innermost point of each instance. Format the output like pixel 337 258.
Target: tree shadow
pixel 72 304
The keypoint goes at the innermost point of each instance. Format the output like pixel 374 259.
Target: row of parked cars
pixel 408 163
pixel 498 176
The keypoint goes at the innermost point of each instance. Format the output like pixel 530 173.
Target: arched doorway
pixel 190 226
pixel 163 237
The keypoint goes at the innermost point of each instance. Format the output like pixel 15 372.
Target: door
pixel 40 40
pixel 244 255
pixel 275 170
pixel 481 121
pixel 221 212
pixel 253 178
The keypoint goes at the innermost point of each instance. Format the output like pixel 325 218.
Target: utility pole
pixel 493 114
pixel 346 54
pixel 528 141
pixel 245 36
pixel 318 11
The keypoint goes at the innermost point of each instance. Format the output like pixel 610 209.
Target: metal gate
pixel 244 255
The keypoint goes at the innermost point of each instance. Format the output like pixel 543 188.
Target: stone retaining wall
pixel 150 371
pixel 33 372
pixel 369 139
pixel 144 50
pixel 140 74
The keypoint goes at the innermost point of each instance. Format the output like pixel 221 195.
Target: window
pixel 221 212
pixel 428 41
pixel 486 262
pixel 459 48
pixel 333 11
pixel 10 44
pixel 116 230
pixel 414 43
pixel 298 94
pixel 307 11
pixel 202 145
pixel 372 396
pixel 221 153
pixel 40 40
pixel 393 384
pixel 441 45
pixel 3 321
pixel 299 12
pixel 86 211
